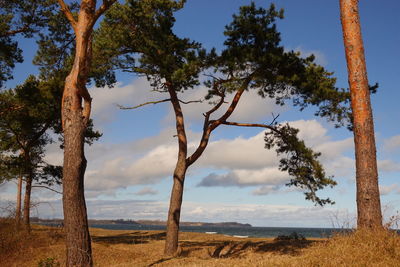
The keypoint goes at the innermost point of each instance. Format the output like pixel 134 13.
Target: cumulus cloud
pixel 105 100
pixel 251 107
pixel 250 164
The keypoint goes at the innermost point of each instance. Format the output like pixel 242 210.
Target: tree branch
pixel 67 12
pixel 20 30
pixel 51 189
pixel 144 104
pixel 106 5
pixel 189 102
pixel 260 125
pixel 206 127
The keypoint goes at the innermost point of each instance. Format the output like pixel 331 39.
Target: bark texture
pixel 174 213
pixel 75 118
pixel 19 202
pixel 368 198
pixel 27 203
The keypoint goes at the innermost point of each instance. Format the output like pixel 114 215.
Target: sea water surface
pixel 233 231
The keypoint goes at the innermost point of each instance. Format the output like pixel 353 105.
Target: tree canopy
pixel 19 18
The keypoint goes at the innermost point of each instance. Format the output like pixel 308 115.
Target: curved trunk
pixel 79 252
pixel 18 206
pixel 368 198
pixel 75 116
pixel 174 213
pixel 27 203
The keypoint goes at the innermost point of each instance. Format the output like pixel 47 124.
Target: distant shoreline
pixel 143 222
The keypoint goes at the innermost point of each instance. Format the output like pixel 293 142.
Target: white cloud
pixel 256 214
pixel 387 189
pixel 388 166
pixel 266 190
pixel 392 143
pixel 146 191
pixel 242 177
pixel 251 107
pixel 105 100
pixel 242 161
pixel 320 57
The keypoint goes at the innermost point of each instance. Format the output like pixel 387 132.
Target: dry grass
pixel 144 248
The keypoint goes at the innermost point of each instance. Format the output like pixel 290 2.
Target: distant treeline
pixel 143 222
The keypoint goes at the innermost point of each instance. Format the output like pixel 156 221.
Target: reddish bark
pixel 368 198
pixel 75 118
pixel 171 243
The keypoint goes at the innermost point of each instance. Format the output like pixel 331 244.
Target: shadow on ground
pixel 129 238
pixel 227 249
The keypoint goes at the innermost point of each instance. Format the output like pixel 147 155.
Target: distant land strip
pixel 143 222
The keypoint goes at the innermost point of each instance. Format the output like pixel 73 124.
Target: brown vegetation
pixel 145 248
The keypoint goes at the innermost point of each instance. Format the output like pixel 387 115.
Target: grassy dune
pixel 144 248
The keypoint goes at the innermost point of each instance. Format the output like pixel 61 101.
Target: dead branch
pixel 51 189
pixel 144 104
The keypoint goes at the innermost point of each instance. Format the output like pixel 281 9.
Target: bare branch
pixel 274 118
pixel 189 102
pixel 51 189
pixel 68 13
pixel 260 125
pixel 144 104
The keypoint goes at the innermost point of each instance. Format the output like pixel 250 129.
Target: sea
pixel 234 231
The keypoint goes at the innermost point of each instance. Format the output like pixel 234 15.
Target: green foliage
pixel 143 42
pixel 139 37
pixel 19 17
pixel 253 52
pixel 299 161
pixel 28 112
pixel 56 45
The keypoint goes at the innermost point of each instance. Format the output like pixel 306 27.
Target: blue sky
pixel 129 170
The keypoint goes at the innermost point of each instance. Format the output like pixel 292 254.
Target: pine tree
pixel 368 199
pixel 252 59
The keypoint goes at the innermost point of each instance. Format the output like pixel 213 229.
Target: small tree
pixel 23 135
pixel 252 60
pixel 369 212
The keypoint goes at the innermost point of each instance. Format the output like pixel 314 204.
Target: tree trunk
pixel 18 206
pixel 78 243
pixel 174 213
pixel 27 203
pixel 368 198
pixel 79 252
pixel 75 118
